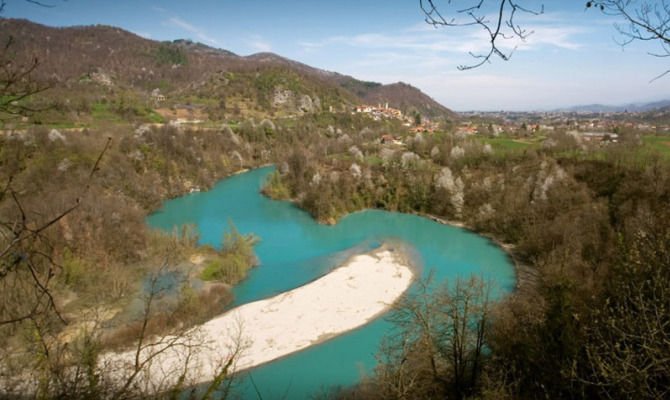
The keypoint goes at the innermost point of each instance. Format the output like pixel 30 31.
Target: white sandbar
pixel 345 299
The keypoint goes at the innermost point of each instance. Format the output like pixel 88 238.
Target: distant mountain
pixel 182 68
pixel 632 107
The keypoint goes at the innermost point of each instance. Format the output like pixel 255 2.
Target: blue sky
pixel 571 58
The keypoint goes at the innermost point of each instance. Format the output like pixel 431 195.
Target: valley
pixel 153 189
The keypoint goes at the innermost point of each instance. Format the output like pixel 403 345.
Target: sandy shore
pixel 345 299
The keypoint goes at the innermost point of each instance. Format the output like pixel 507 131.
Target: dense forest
pixel 589 231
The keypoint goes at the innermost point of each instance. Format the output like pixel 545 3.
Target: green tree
pixel 237 256
pixel 417 119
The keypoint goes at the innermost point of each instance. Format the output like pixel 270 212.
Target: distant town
pixel 602 127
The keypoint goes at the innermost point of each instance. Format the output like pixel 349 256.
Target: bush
pixel 231 269
pixel 275 187
pixel 237 257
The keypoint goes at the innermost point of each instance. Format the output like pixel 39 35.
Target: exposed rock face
pixel 228 132
pixel 142 129
pixel 267 125
pixel 305 105
pixel 101 78
pixel 282 97
pixel 237 157
pixel 294 102
pixel 56 135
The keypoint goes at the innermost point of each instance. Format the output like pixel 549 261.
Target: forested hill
pixel 260 82
pixel 398 95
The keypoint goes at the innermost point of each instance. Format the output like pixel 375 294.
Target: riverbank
pixel 526 275
pixel 255 333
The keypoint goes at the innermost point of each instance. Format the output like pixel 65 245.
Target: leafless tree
pixel 3 3
pixel 628 346
pixel 71 365
pixel 16 76
pixel 647 21
pixel 26 266
pixel 495 18
pixel 439 341
pixel 168 361
pixel 17 83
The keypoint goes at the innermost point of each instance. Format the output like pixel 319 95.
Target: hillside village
pixel 601 128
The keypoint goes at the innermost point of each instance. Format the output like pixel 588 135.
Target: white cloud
pixel 183 24
pixel 558 36
pixel 324 42
pixel 198 32
pixel 455 40
pixel 259 44
pixel 543 74
pixel 145 35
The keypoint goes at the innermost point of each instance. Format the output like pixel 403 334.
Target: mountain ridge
pixel 67 54
pixel 630 107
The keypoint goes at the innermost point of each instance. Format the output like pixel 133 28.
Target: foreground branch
pixel 501 26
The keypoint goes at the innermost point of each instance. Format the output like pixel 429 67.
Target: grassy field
pixel 507 144
pixel 102 112
pixel 659 143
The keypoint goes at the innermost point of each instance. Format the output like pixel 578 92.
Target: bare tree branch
pixel 16 83
pixel 646 21
pixel 3 3
pixel 501 26
pixel 21 243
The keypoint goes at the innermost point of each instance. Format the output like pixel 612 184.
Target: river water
pixel 295 250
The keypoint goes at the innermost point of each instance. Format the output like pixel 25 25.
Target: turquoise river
pixel 295 250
